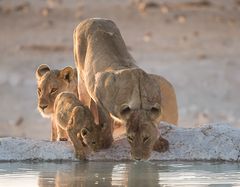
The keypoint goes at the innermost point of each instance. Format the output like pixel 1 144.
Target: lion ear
pixel 67 73
pixel 125 111
pixel 155 111
pixel 42 69
pixel 84 132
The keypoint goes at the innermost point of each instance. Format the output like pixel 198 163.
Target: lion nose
pixel 43 106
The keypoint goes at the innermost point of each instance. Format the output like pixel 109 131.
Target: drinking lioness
pixel 114 88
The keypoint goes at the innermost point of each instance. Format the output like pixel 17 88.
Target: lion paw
pixel 80 155
pixel 161 145
pixel 63 139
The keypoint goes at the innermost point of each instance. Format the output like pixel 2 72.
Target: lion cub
pixel 50 84
pixel 71 115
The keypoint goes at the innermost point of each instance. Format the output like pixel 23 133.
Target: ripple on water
pixel 120 174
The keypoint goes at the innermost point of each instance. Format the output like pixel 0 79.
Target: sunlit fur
pixel 139 127
pixel 70 113
pixel 50 83
pixel 109 76
pixel 53 79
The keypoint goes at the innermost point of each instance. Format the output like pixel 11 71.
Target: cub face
pixel 91 134
pixel 50 84
pixel 94 137
pixel 141 135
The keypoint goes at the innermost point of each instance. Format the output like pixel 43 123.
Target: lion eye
pixel 53 90
pixel 125 110
pixel 130 139
pixel 39 91
pixel 155 110
pixel 145 139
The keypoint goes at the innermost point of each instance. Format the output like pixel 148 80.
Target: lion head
pixel 142 134
pixel 51 83
pixel 91 134
pixel 94 137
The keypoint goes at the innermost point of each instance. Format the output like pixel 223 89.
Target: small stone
pixel 164 9
pixel 45 12
pixel 181 19
pixel 196 33
pixel 143 6
pixel 202 56
pixel 147 37
pixel 19 121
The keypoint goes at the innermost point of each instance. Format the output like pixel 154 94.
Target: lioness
pixel 115 88
pixel 71 115
pixel 50 83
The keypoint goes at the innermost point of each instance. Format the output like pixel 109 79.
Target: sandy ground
pixel 195 46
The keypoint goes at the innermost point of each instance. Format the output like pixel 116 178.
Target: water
pixel 136 174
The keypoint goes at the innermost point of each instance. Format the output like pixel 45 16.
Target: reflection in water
pixel 143 174
pixel 78 174
pixel 119 175
pixel 137 174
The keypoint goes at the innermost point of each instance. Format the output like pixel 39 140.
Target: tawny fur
pixel 77 120
pixel 115 88
pixel 50 83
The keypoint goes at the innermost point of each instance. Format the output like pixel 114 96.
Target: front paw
pixel 62 139
pixel 161 145
pixel 80 155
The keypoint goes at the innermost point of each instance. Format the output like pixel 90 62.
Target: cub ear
pixel 84 132
pixel 103 126
pixel 67 73
pixel 42 69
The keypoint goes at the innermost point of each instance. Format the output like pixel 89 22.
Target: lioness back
pixel 98 40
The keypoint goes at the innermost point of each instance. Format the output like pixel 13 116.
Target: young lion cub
pixel 71 115
pixel 50 84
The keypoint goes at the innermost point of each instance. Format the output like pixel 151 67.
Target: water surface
pixel 134 174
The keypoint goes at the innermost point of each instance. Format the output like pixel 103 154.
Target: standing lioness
pixel 115 88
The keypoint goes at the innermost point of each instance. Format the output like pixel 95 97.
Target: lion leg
pixel 61 134
pixel 94 110
pixel 104 118
pixel 79 147
pixel 161 145
pixel 101 116
pixel 54 130
pixel 117 125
